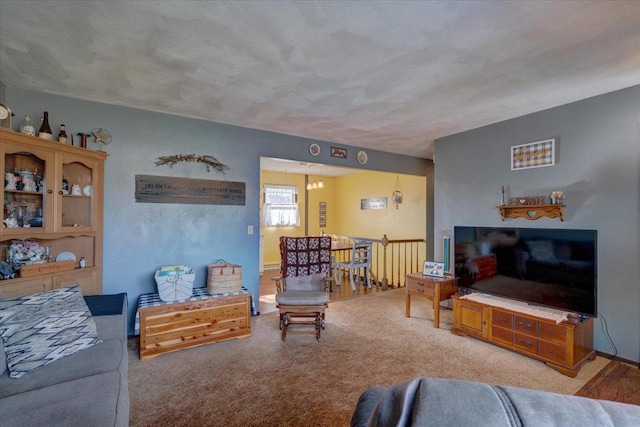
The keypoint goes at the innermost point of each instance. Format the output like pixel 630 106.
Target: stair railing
pixel 391 257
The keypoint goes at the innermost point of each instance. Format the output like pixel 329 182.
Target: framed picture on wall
pixel 339 152
pixel 323 205
pixel 323 218
pixel 533 155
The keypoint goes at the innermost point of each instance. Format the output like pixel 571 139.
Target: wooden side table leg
pixel 436 307
pixel 407 306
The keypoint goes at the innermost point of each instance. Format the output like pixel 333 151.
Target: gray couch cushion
pixel 312 282
pixel 104 357
pixel 302 298
pixel 86 388
pixel 93 401
pixel 42 328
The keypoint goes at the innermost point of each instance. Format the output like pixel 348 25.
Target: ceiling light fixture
pixel 313 184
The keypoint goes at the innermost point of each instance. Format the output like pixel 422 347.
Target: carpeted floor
pixel 262 381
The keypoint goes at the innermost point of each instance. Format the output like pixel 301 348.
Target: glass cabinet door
pixel 75 191
pixel 26 192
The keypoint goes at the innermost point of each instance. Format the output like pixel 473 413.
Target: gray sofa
pixel 434 402
pixel 87 388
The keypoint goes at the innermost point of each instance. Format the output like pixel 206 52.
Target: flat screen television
pixel 554 268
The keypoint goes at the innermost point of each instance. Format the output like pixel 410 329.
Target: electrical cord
pixel 605 328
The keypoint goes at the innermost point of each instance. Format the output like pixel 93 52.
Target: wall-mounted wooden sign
pixel 168 189
pixel 377 203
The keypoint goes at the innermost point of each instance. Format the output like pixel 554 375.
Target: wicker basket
pixel 224 277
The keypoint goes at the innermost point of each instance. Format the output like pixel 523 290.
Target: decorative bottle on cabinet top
pixel 45 129
pixel 27 127
pixel 62 136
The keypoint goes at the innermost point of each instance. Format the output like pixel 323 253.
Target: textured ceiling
pixel 391 76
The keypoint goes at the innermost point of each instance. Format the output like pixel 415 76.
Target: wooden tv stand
pixel 564 346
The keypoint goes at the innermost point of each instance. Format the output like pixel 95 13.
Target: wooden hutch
pixel 69 223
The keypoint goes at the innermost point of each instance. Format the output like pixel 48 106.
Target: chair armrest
pixel 280 286
pixel 327 283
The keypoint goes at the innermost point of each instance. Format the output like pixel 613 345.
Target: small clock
pixel 5 116
pixel 314 149
pixel 362 157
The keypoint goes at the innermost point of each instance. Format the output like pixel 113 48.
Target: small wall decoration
pixel 526 201
pixel 339 152
pixel 314 149
pixel 209 161
pixel 362 157
pixel 533 155
pixel 101 136
pixel 322 209
pixel 377 203
pixel 167 189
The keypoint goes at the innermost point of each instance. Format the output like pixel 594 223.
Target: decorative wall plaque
pixel 533 155
pixel 167 189
pixel 377 203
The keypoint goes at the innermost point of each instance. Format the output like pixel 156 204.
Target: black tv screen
pixel 549 267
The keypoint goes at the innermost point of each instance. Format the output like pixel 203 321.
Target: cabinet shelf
pixel 532 212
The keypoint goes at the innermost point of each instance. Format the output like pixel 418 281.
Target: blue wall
pixel 140 237
pixel 597 168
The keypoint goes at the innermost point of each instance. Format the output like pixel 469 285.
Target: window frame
pixel 287 213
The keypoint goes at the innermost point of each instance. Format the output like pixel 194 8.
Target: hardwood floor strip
pixel 617 381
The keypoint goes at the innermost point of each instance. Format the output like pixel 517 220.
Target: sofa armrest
pixel 437 402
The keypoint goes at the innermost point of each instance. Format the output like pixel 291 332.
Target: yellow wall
pixel 408 221
pixel 344 216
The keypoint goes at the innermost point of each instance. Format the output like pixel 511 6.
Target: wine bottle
pixel 45 129
pixel 62 136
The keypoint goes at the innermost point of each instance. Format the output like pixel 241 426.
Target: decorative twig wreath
pixel 209 161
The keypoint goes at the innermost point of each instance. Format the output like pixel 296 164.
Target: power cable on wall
pixel 605 329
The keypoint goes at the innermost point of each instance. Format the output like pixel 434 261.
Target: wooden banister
pixel 404 256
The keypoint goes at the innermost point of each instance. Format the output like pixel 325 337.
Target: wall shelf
pixel 532 212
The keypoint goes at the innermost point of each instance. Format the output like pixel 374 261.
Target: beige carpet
pixel 262 381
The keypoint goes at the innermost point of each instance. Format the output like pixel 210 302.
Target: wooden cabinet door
pixel 35 202
pixel 81 277
pixel 23 288
pixel 77 210
pixel 470 318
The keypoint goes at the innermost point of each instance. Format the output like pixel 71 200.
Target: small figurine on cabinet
pixel 11 223
pixel 10 181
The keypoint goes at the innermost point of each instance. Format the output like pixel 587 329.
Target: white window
pixel 280 207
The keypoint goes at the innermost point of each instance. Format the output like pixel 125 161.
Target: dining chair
pixel 360 259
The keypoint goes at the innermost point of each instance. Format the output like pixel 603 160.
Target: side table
pixel 432 288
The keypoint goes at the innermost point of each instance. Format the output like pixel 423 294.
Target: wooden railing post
pixel 385 280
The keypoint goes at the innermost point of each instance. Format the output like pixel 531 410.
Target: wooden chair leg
pixel 318 326
pixel 286 320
